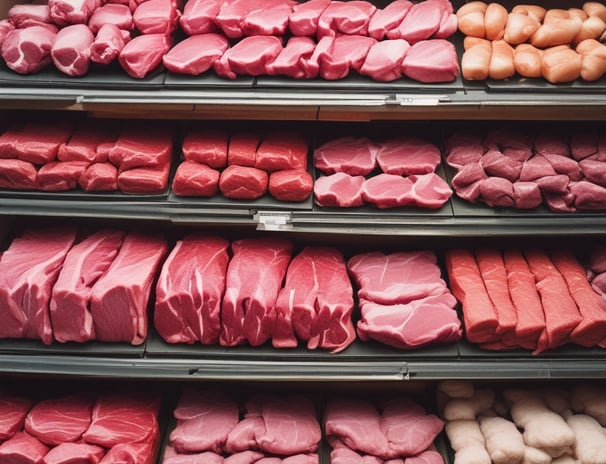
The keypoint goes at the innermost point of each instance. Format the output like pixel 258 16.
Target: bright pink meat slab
pixel 355 156
pixel 339 190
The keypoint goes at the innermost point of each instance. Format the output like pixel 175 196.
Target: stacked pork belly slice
pixel 95 157
pixel 211 428
pixel 533 299
pixel 243 165
pixel 395 430
pixel 561 169
pixel 85 428
pixel 397 172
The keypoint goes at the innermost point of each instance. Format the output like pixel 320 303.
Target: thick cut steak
pixel 243 182
pixel 13 410
pixel 388 191
pixel 71 49
pixel 431 61
pixel 59 176
pixel 206 146
pixel 156 17
pixel 383 61
pixel 421 21
pixel 195 180
pixel 199 16
pixel 355 156
pixel 232 14
pixel 291 185
pixel 290 61
pixel 196 54
pixel 66 453
pixel 429 190
pixel 388 19
pixel 131 453
pixel 282 150
pixel 27 51
pixel 39 142
pixel 145 181
pixel 408 155
pixel 272 20
pixel 18 175
pixel 189 290
pixel 23 448
pixel 143 54
pixel 82 145
pixel 303 20
pixel 339 190
pixel 142 148
pixel 108 44
pixel 347 53
pixel 249 57
pixel 351 17
pixel 242 149
pixel 99 177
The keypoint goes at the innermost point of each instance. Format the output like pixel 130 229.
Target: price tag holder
pixel 415 100
pixel 273 220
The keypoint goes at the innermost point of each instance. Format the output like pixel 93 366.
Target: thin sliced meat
pixel 388 191
pixel 339 190
pixel 355 156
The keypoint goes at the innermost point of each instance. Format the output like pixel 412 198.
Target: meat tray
pixel 470 351
pixel 78 195
pixel 206 80
pixel 36 347
pixel 519 84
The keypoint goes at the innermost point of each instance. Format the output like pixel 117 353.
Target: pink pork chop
pixel 347 54
pixel 431 61
pixel 303 20
pixel 199 16
pixel 429 190
pixel 272 20
pixel 355 156
pixel 206 146
pixel 242 439
pixel 388 18
pixel 111 13
pixel 387 191
pixel 13 410
pixel 408 155
pixel 156 17
pixel 195 180
pixel 420 23
pixel 383 61
pixel 339 190
pixel 290 61
pixel 143 54
pixel 196 54
pixel 108 44
pixel 27 51
pixel 66 12
pixel 249 57
pixel 351 17
pixel 58 176
pixel 23 15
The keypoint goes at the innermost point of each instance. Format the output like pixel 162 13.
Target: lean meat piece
pixel 207 146
pixel 526 195
pixel 388 18
pixel 59 176
pixel 108 44
pixel 412 325
pixel 119 298
pixel 232 14
pixel 290 61
pixel 27 51
pixel 58 420
pixel 344 455
pixel 316 303
pixel 303 20
pixel 189 290
pixel 290 185
pixel 24 15
pixel 497 164
pixel 243 436
pixel 551 142
pixel 204 420
pixel 195 180
pixel 497 191
pixel 535 168
pixel 199 16
pixel 156 17
pixel 111 13
pixel 272 20
pixel 39 142
pixel 205 457
pixel 132 453
pixel 13 410
pixel 311 65
pixel 99 177
pixel 588 196
pixel 351 17
pixel 339 190
pixel 467 181
pixel 243 182
pixel 66 12
pixel 431 61
pixel 254 278
pixel 356 156
pixel 387 191
pixel 18 175
pixel 282 150
pixel 479 314
pixel 84 264
pixel 348 52
pixel 463 148
pixel 28 270
pixel 249 57
pixel 83 143
pixel 196 54
pixel 23 448
pixel 429 190
pixel 123 418
pixel 139 147
pixel 395 278
pixel 143 54
pixel 420 23
pixel 594 171
pixel 242 149
pixel 8 140
pixel 145 181
pixel 383 61
pixel 65 453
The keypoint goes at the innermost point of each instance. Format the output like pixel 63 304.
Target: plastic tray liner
pixel 92 348
pixel 469 350
pixel 208 80
pixel 519 84
pixel 112 77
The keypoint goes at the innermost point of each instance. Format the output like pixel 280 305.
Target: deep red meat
pixel 383 61
pixel 196 54
pixel 431 61
pixel 290 185
pixel 388 191
pixel 71 49
pixel 249 57
pixel 272 20
pixel 351 17
pixel 99 177
pixel 207 146
pixel 355 156
pixel 39 142
pixel 132 453
pixel 243 182
pixel 23 448
pixel 146 181
pixel 242 149
pixel 13 410
pixel 282 150
pixel 142 148
pixel 199 16
pixel 66 12
pixel 303 20
pixel 108 44
pixel 552 142
pixel 18 175
pixel 347 53
pixel 388 18
pixel 156 17
pixel 339 190
pixel 67 453
pixel 290 61
pixel 143 54
pixel 429 190
pixel 60 175
pixel 195 180
pixel 111 13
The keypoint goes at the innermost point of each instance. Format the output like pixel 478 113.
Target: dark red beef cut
pixel 132 453
pixel 351 17
pixel 189 290
pixel 99 177
pixel 282 150
pixel 316 303
pixel 291 185
pixel 242 149
pixel 66 12
pixel 111 13
pixel 84 264
pixel 383 61
pixel 156 17
pixel 66 453
pixel 18 175
pixel 408 155
pixel 355 156
pixel 290 61
pixel 123 418
pixel 347 53
pixel 8 140
pixel 196 54
pixel 13 410
pixel 303 20
pixel 27 51
pixel 232 14
pixel 249 57
pixel 60 175
pixel 195 180
pixel 142 148
pixel 479 314
pixel 83 143
pixel 388 191
pixel 59 420
pixel 388 18
pixel 431 61
pixel 497 164
pixel 39 142
pixel 71 49
pixel 28 270
pixel 206 146
pixel 108 44
pixel 272 20
pixel 254 278
pixel 144 180
pixel 29 14
pixel 199 16
pixel 119 299
pixel 243 183
pixel 421 22
pixel 22 448
pixel 339 190
pixel 143 54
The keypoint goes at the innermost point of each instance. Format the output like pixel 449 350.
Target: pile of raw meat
pixel 596 270
pixel 562 169
pixel 243 165
pixel 397 172
pixel 60 156
pixel 393 430
pixel 522 424
pixel 560 45
pixel 67 285
pixel 214 428
pixel 84 428
pixel 533 299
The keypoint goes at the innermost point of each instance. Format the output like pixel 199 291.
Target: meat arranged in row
pixel 531 41
pixel 244 165
pixel 407 175
pixel 103 429
pixel 522 424
pixel 564 170
pixel 56 157
pixel 596 270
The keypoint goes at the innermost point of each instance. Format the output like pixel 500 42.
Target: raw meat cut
pixel 355 156
pixel 195 180
pixel 421 22
pixel 199 16
pixel 108 44
pixel 254 278
pixel 431 61
pixel 196 54
pixel 388 18
pixel 143 54
pixel 291 185
pixel 282 150
pixel 39 142
pixel 66 12
pixel 29 14
pixel 27 51
pixel 243 182
pixel 189 290
pixel 206 146
pixel 272 20
pixel 58 420
pixel 60 175
pixel 383 61
pixel 232 14
pixel 18 175
pixel 497 164
pixel 535 168
pixel 243 149
pixel 119 299
pixel 156 17
pixel 388 191
pixel 83 143
pixel 249 57
pixel 147 181
pixel 71 49
pixel 502 438
pixel 290 61
pixel 429 190
pixel 123 418
pixel 593 171
pixel 398 277
pixel 28 270
pixel 23 448
pixel 412 325
pixel 111 13
pixel 497 191
pixel 348 52
pixel 243 437
pixel 303 20
pixel 132 453
pixel 13 410
pixel 142 148
pixel 311 65
pixel 66 453
pixel 467 181
pixel 339 190
pixel 315 304
pixel 463 148
pixel 588 196
pixel 84 264
pixel 205 457
pixel 99 177
pixel 350 18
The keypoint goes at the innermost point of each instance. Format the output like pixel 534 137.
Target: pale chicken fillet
pixel 470 18
pixel 495 19
pixel 527 60
pixel 519 28
pixel 501 61
pixel 467 441
pixel 561 64
pixel 593 59
pixel 504 441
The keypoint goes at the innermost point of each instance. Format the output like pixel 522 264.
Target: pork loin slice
pixel 199 16
pixel 408 155
pixel 388 18
pixel 156 17
pixel 272 20
pixel 72 452
pixel 254 278
pixel 339 190
pixel 195 180
pixel 196 54
pixel 347 54
pixel 249 57
pixel 290 61
pixel 303 20
pixel 108 44
pixel 66 12
pixel 145 181
pixel 143 54
pixel 431 61
pixel 351 17
pixel 355 156
pixel 99 177
pixel 291 185
pixel 18 175
pixel 429 190
pixel 383 61
pixel 27 51
pixel 23 15
pixel 189 290
pixel 243 182
pixel 111 13
pixel 22 447
pixel 13 410
pixel 71 49
pixel 58 176
pixel 388 191
pixel 420 22
pixel 232 14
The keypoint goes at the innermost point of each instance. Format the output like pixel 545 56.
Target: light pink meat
pixel 431 61
pixel 196 54
pixel 388 18
pixel 108 44
pixel 23 448
pixel 243 182
pixel 143 54
pixel 99 177
pixel 347 54
pixel 72 452
pixel 111 13
pixel 71 49
pixel 199 16
pixel 242 150
pixel 383 61
pixel 195 180
pixel 281 150
pixel 205 457
pixel 351 18
pixel 13 410
pixel 536 167
pixel 5 27
pixel 407 155
pixel 232 14
pixel 551 142
pixel 58 176
pixel 388 191
pixel 290 60
pixel 242 439
pixel 344 455
pixel 272 20
pixel 355 156
pixel 290 185
pixel 244 457
pixel 420 23
pixel 206 146
pixel 27 51
pixel 23 15
pixel 156 17
pixel 189 290
pixel 339 190
pixel 467 181
pixel 463 148
pixel 594 171
pixel 311 65
pixel 429 190
pixel 249 57
pixel 66 12
pixel 18 175
pixel 303 20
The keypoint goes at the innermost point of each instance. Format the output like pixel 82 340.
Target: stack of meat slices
pixel 596 270
pixel 407 173
pixel 243 165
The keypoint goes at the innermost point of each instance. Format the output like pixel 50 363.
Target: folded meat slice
pixel 303 21
pixel 64 452
pixel 196 54
pixel 199 16
pixel 389 18
pixel 249 57
pixel 355 156
pixel 143 54
pixel 108 44
pixel 290 60
pixel 383 61
pixel 347 53
pixel 39 142
pixel 339 190
pixel 340 17
pixel 195 180
pixel 431 61
pixel 388 191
